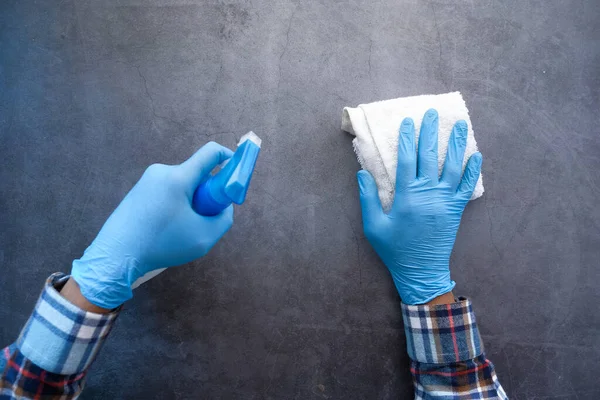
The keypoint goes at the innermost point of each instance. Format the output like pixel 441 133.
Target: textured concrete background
pixel 293 303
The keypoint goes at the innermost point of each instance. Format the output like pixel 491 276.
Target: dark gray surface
pixel 293 303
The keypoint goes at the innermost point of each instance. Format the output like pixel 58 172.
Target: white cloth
pixel 376 126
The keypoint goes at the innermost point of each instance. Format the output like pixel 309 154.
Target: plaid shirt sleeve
pixel 55 348
pixel 447 354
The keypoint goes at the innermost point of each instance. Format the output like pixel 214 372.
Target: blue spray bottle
pixel 227 186
pixel 230 184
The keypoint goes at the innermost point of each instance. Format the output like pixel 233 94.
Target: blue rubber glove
pixel 416 237
pixel 153 227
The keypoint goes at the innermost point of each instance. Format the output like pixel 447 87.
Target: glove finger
pixel 223 221
pixel 199 165
pixel 470 177
pixel 427 158
pixel 455 155
pixel 372 212
pixel 406 171
pixel 218 225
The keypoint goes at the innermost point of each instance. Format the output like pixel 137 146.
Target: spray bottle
pixel 231 183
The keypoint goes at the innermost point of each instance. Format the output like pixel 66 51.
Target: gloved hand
pixel 153 227
pixel 416 237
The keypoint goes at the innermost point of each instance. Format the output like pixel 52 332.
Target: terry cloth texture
pixel 376 126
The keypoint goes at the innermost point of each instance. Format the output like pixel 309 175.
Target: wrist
pixel 422 289
pixel 446 298
pixel 103 281
pixel 72 293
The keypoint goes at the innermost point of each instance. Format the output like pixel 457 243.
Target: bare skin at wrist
pixel 446 298
pixel 72 293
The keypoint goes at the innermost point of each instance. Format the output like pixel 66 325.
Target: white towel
pixel 376 126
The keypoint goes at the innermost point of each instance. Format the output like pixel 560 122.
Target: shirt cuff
pixel 441 334
pixel 60 337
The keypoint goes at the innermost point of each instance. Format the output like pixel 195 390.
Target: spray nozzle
pixel 231 183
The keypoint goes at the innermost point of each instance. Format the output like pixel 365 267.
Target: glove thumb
pixel 201 163
pixel 470 177
pixel 369 200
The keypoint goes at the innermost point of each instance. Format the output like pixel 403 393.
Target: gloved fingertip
pixel 461 127
pixel 226 216
pixel 214 147
pixel 229 211
pixel 431 114
pixel 365 181
pixel 477 160
pixel 221 222
pixel 407 125
pixel 461 123
pixel 471 175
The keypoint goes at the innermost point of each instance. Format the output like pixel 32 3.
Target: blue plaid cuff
pixel 60 337
pixel 441 334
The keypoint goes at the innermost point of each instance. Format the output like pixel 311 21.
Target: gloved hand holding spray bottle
pixel 173 215
pixel 229 185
